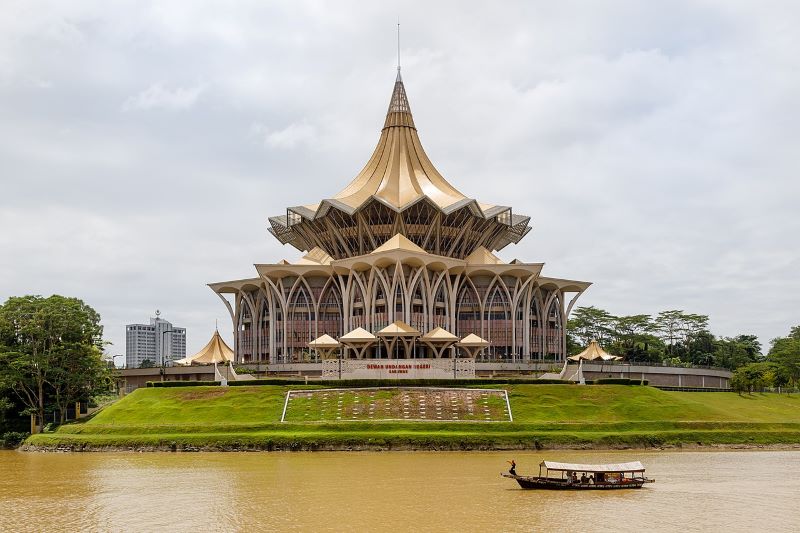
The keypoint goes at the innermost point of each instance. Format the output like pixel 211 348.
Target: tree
pixel 38 336
pixel 147 363
pixel 785 352
pixel 590 323
pixel 733 352
pixel 750 377
pixel 634 339
pixel 79 374
pixel 685 335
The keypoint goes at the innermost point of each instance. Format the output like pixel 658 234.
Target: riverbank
pixel 545 417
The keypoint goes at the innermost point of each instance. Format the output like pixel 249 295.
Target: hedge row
pixel 182 383
pixel 361 383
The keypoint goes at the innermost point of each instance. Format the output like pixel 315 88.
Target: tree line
pixel 672 337
pixel 50 358
pixel 779 368
pixel 678 338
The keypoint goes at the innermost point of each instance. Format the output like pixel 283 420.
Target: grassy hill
pixel 545 416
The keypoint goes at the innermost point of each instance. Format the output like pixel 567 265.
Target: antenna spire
pixel 398 46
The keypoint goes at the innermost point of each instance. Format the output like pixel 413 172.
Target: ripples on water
pixel 391 491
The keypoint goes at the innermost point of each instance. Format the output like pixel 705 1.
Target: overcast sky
pixel 654 144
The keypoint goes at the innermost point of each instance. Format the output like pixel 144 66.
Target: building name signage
pixel 398 369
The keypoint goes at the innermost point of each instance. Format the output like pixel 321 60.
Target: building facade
pixel 158 342
pixel 399 243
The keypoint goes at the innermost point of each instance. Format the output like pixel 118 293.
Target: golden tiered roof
pixel 398 178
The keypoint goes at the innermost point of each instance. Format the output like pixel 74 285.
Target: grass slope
pixel 544 416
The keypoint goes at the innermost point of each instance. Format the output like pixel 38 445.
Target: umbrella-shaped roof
pixel 398 328
pixel 594 352
pixel 324 341
pixel 357 335
pixel 439 335
pixel 473 340
pixel 216 351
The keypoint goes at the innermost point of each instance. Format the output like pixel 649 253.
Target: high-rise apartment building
pixel 158 342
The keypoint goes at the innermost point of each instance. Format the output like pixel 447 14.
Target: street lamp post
pixel 164 359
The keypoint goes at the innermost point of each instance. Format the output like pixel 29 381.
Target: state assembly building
pixel 399 265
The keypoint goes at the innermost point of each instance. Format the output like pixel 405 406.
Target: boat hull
pixel 541 483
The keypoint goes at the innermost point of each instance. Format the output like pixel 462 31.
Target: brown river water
pixel 389 491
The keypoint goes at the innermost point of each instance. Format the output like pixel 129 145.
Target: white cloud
pixel 159 97
pixel 291 136
pixel 654 144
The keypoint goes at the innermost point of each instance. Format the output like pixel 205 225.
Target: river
pixel 389 491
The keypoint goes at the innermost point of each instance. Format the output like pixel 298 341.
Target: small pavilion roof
pixel 358 335
pixel 439 335
pixel 216 351
pixel 398 328
pixel 324 341
pixel 594 352
pixel 472 340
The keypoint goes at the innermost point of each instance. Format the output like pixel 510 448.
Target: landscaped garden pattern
pixel 545 416
pixel 410 404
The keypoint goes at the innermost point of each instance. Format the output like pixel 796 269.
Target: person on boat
pixel 584 479
pixel 513 469
pixel 574 477
pixel 591 479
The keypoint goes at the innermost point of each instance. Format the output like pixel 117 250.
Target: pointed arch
pixel 497 320
pixel 418 301
pixel 330 315
pixel 535 331
pixel 263 328
pixel 244 330
pixel 300 321
pixel 554 327
pixel 380 299
pixel 358 303
pixel 439 305
pixel 468 310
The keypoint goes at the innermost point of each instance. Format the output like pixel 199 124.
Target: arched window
pixel 419 317
pixel 399 303
pixel 468 312
pixel 534 328
pixel 554 331
pixel 244 331
pixel 357 307
pixel 300 324
pixel 263 330
pixel 330 312
pixel 380 318
pixel 497 316
pixel 440 303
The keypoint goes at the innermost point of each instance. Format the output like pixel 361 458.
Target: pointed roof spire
pixel 399 113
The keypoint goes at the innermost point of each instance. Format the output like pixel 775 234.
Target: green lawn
pixel 544 416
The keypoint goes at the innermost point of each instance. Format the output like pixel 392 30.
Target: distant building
pixel 158 342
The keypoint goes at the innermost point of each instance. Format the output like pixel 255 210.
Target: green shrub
pixel 182 383
pixel 12 439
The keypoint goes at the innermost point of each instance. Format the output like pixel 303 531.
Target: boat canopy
pixel 635 466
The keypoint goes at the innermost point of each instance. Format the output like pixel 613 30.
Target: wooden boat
pixel 570 476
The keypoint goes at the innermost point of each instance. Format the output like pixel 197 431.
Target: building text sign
pixel 398 368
